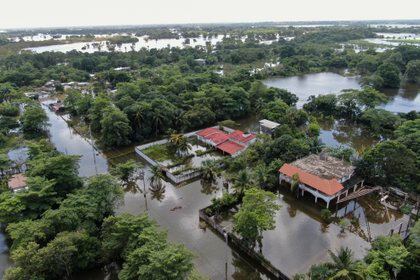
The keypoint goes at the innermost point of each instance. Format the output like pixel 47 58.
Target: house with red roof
pixel 232 143
pixel 323 176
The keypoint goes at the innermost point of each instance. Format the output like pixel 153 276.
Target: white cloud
pixel 46 13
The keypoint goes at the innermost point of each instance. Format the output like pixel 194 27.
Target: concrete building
pixel 323 176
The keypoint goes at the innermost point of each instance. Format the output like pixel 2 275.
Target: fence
pixel 249 253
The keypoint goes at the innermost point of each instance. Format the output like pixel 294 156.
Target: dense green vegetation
pixel 64 224
pixel 389 258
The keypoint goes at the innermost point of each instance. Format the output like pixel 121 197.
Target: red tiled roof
pixel 230 147
pixel 17 181
pixel 217 137
pixel 328 187
pixel 207 131
pixel 240 136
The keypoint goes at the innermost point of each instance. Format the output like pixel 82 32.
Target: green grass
pixel 160 152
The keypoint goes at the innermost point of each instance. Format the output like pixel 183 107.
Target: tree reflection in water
pixel 157 190
pixel 243 271
pixel 131 186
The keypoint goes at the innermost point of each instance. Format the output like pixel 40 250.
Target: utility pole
pixel 93 150
pixel 141 177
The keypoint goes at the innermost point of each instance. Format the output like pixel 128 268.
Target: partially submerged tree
pixel 256 215
pixel 125 171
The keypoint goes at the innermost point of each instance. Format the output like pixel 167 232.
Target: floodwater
pixel 404 99
pixel 68 141
pixel 341 133
pixel 175 209
pixel 144 42
pixel 313 84
pixel 301 239
pixel 4 255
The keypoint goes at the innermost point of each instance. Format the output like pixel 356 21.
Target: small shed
pixel 17 182
pixel 267 126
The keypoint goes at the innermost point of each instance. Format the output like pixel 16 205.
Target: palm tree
pixel 209 171
pixel 295 183
pixel 343 266
pixel 158 119
pixel 242 182
pixel 180 143
pixel 157 175
pixel 261 175
pixel 138 115
pixel 315 145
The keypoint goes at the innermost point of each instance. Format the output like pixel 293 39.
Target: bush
pixel 223 203
pixel 326 215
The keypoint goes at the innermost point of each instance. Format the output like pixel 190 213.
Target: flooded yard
pixel 301 239
pixel 175 209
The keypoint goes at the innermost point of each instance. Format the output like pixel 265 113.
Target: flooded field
pixel 144 42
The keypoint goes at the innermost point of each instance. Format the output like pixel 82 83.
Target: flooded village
pixel 188 178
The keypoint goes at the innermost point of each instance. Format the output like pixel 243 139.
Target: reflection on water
pixel 314 84
pixel 404 99
pixel 341 133
pixel 144 42
pixel 337 133
pixel 301 239
pixel 68 141
pixel 174 208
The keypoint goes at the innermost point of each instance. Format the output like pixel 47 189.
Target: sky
pixel 60 13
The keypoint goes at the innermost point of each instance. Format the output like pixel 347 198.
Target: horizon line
pixel 209 23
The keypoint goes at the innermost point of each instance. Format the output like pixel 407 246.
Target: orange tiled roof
pixel 207 131
pixel 240 136
pixel 328 187
pixel 230 147
pixel 217 137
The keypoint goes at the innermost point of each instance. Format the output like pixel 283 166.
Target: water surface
pixel 314 84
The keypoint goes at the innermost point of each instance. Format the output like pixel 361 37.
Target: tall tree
pixel 255 215
pixel 115 128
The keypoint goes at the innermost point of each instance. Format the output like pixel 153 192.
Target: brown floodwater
pixel 175 209
pixel 301 239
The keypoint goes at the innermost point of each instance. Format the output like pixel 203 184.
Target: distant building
pixel 17 182
pixel 267 126
pixel 232 143
pixel 200 61
pixel 122 68
pixel 323 176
